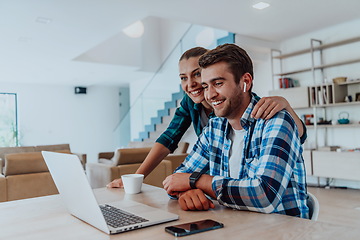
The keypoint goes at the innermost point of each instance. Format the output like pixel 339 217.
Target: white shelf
pixel 321 47
pixel 321 98
pixel 349 82
pixel 318 67
pixel 350 125
pixel 340 104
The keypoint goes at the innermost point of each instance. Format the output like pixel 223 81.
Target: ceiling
pixel 45 42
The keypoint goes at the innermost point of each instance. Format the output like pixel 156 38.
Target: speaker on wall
pixel 80 90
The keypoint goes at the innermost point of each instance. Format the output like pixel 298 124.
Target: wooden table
pixel 47 218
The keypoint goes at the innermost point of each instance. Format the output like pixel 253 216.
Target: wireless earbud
pixel 244 86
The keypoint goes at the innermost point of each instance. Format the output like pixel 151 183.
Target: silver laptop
pixel 75 190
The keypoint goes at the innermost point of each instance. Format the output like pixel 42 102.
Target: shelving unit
pixel 320 97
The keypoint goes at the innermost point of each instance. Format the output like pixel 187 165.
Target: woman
pixel 194 109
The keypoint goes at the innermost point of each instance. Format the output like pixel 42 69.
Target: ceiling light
pixel 43 20
pixel 261 5
pixel 205 38
pixel 134 30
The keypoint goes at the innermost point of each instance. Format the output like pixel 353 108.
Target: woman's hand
pixel 267 107
pixel 117 183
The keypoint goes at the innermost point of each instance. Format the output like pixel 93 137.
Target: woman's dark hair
pixel 193 52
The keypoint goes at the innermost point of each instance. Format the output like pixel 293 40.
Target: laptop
pixel 74 188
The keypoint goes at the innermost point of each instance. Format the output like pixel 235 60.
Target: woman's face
pixel 190 76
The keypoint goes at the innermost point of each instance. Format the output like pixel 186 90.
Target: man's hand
pixel 177 182
pixel 194 199
pixel 117 183
pixel 267 107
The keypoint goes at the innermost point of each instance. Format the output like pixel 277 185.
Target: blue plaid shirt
pixel 272 173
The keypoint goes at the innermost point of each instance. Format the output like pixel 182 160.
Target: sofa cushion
pixel 3 189
pixel 55 147
pixel 23 163
pixel 30 185
pixel 8 150
pixel 130 155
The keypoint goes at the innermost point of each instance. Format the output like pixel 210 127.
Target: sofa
pixel 112 165
pixel 55 147
pixel 3 189
pixel 25 174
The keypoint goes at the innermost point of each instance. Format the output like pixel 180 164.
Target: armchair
pixel 112 165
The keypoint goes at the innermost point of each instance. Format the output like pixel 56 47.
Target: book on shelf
pixel 288 83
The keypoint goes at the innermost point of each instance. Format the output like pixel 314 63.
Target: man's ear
pixel 247 78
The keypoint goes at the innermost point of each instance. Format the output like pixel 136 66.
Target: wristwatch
pixel 193 179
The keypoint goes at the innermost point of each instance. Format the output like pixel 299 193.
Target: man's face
pixel 221 91
pixel 190 76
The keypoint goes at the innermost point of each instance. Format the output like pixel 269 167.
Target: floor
pixel 338 206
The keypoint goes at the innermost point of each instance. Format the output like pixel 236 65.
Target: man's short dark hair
pixel 237 59
pixel 193 52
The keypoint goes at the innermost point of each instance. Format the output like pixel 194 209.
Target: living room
pixel 48 49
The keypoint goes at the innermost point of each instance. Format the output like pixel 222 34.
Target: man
pixel 244 163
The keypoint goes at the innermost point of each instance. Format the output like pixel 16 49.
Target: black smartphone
pixel 193 227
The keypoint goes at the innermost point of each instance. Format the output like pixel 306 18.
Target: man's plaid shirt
pixel 272 176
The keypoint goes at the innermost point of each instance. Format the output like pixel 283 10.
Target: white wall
pixel 146 98
pixel 50 114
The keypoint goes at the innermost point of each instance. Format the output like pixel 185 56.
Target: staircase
pixel 159 123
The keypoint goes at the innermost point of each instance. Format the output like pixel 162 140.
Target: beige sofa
pixel 56 147
pixel 24 173
pixel 25 176
pixel 112 165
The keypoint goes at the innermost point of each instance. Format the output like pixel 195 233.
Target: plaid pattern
pixel 188 112
pixel 271 177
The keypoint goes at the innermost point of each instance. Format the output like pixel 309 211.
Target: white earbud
pixel 244 86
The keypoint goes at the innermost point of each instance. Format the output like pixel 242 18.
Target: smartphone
pixel 193 227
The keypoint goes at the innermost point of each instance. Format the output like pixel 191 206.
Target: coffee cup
pixel 132 183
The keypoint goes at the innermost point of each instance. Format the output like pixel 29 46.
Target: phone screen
pixel 193 227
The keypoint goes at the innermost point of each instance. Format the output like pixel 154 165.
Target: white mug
pixel 132 183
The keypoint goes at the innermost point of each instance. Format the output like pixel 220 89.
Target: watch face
pixel 193 178
pixel 195 175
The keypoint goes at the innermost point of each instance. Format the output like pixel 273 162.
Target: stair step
pixel 172 112
pixel 164 116
pixel 161 127
pixel 144 135
pixel 154 135
pixel 150 128
pixel 166 120
pixel 150 140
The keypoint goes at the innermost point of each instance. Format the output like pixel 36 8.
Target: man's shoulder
pixel 281 119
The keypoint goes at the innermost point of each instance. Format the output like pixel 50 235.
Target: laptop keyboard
pixel 119 218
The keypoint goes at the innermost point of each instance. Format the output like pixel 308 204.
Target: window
pixel 8 120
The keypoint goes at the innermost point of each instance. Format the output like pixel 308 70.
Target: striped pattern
pixel 272 177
